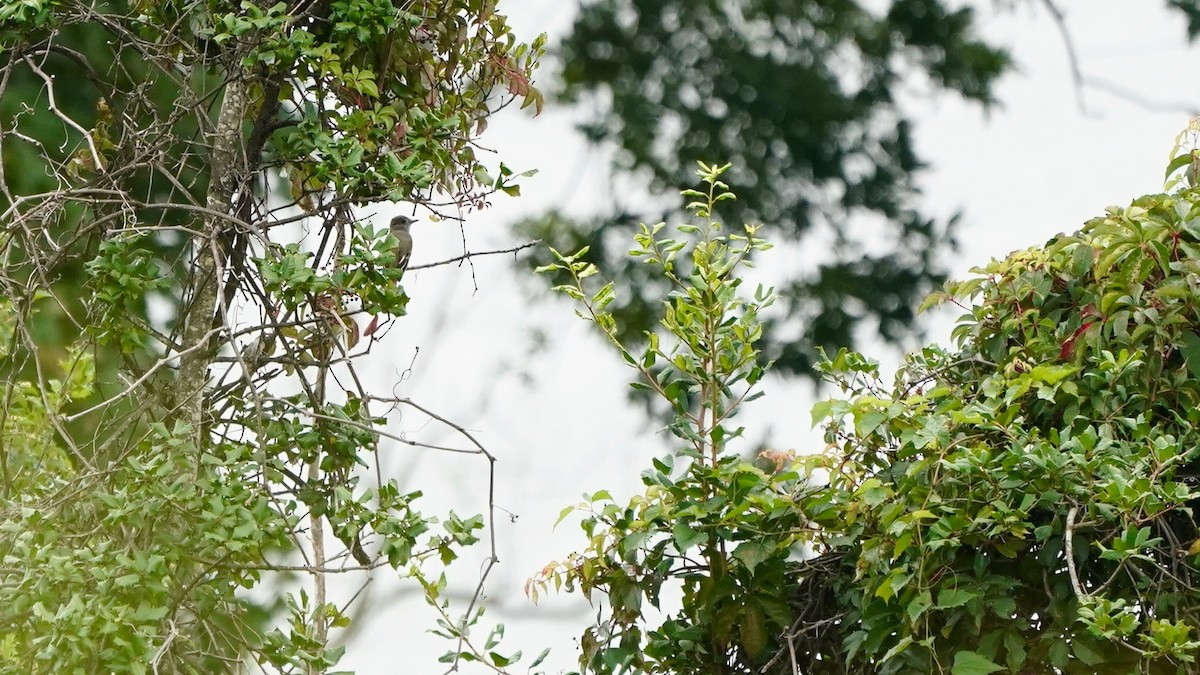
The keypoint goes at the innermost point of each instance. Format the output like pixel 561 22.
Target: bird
pixel 399 228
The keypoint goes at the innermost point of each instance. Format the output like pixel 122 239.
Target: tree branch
pixel 223 181
pixel 514 250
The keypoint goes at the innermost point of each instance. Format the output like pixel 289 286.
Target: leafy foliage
pixel 1021 502
pixel 155 465
pixel 1028 496
pixel 708 523
pixel 78 598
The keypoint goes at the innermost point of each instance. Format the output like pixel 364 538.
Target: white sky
pixel 558 418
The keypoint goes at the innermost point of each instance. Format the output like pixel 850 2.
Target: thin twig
pixel 1060 21
pixel 1141 100
pixel 162 649
pixel 53 104
pixel 469 255
pixel 1069 536
pixel 145 376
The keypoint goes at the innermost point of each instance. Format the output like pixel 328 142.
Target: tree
pixel 1020 502
pixel 1024 501
pixel 804 99
pixel 708 523
pixel 181 414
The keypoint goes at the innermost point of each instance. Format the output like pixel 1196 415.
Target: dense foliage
pixel 1020 502
pixel 181 423
pixel 1023 501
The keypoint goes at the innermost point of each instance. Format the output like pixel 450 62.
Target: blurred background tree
pixel 805 99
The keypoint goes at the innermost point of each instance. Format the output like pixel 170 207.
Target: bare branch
pixel 1060 22
pixel 469 255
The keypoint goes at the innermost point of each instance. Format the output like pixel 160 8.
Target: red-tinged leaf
pixel 371 327
pixel 1068 348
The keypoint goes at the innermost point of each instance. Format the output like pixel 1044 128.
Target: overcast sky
pixel 557 417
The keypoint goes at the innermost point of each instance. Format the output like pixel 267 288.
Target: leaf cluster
pixel 182 418
pixel 1025 500
pixel 1020 502
pixel 709 525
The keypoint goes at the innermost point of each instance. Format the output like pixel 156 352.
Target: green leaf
pixel 868 421
pixel 918 606
pixel 953 597
pixel 753 553
pixel 1178 163
pixel 150 613
pixel 563 514
pixel 1085 653
pixel 820 411
pixel 753 631
pixel 684 536
pixel 900 646
pixel 973 663
pixel 1058 654
pixel 1014 643
pixel 1191 353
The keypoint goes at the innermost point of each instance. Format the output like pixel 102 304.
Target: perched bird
pixel 399 227
pixel 404 242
